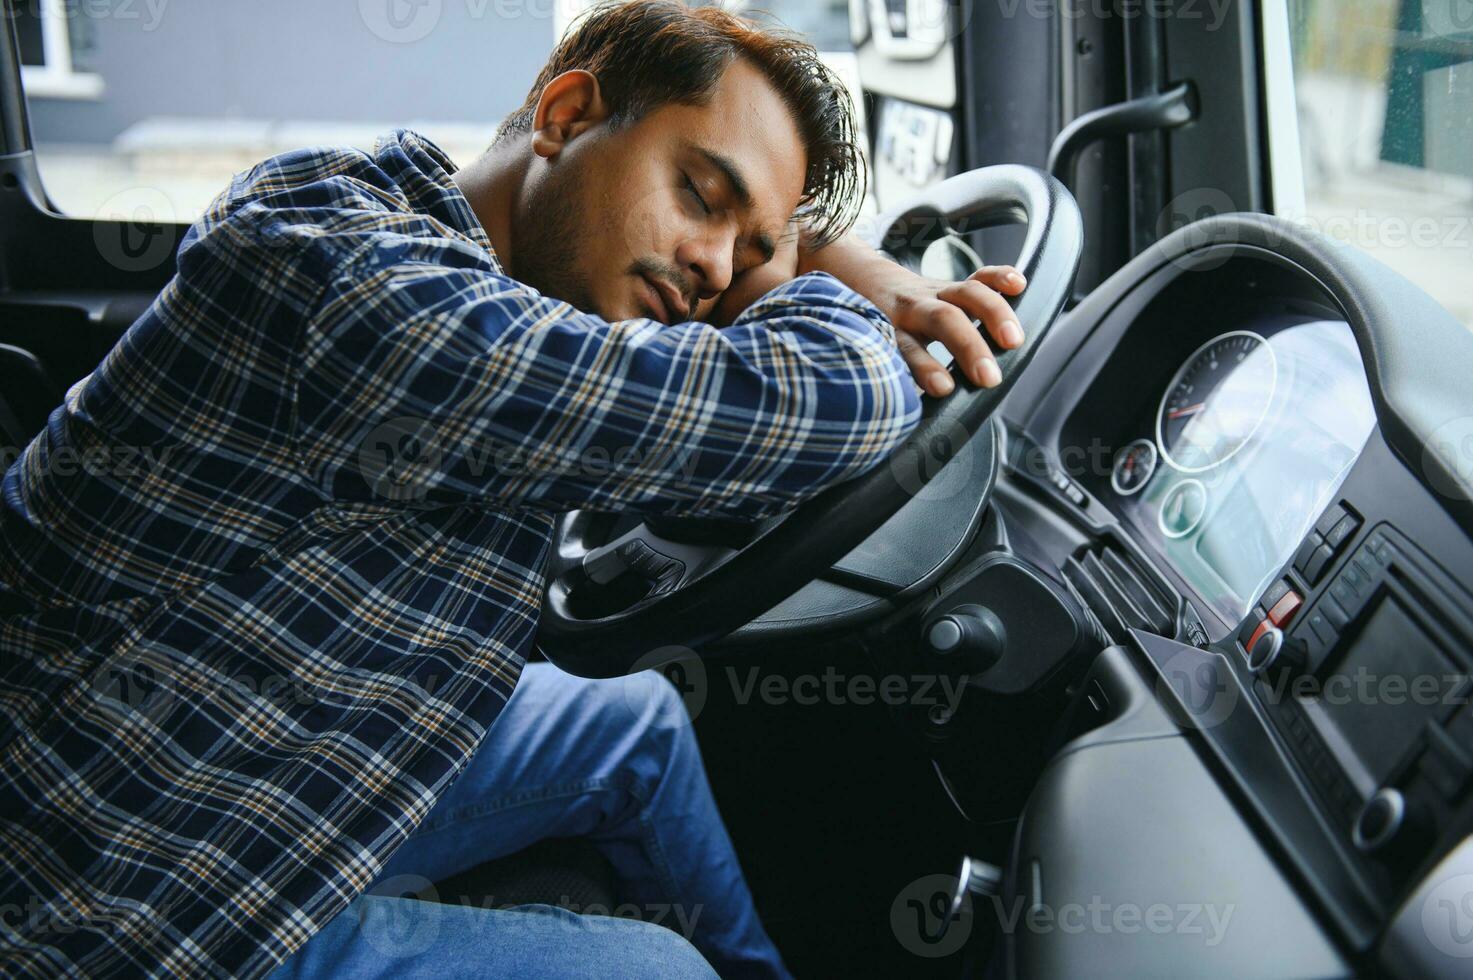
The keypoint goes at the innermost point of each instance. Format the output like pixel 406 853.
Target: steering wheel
pixel 661 589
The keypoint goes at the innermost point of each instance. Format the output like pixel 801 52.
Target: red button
pixel 1285 608
pixel 1263 627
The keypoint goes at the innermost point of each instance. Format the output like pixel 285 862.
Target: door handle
pixel 1164 110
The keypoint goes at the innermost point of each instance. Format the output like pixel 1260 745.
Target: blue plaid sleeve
pixel 425 374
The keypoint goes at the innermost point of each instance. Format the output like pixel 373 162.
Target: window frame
pixel 55 78
pixel 1285 176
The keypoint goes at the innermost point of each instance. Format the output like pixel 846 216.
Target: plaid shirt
pixel 271 570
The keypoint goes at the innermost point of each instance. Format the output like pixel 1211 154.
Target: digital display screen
pixel 1237 546
pixel 1391 680
pixel 1264 431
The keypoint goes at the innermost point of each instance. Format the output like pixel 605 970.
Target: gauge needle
pixel 1189 410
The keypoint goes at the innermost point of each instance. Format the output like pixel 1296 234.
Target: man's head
pixel 663 150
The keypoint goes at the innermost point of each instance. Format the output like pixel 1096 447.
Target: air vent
pixel 1121 593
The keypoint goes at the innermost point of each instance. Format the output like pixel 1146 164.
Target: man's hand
pixel 752 284
pixel 924 310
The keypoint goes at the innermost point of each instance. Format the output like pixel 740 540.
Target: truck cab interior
pixel 1154 661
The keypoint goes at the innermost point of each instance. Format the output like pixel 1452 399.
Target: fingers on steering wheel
pixel 1003 278
pixel 934 379
pixel 985 304
pixel 949 321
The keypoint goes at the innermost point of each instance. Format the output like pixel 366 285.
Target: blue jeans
pixel 614 761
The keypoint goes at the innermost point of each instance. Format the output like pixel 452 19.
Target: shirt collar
pixel 422 170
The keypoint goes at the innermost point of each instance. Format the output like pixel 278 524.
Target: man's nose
pixel 709 262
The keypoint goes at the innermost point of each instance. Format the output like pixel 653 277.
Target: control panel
pixel 1363 657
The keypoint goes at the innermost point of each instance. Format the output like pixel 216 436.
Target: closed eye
pixel 690 187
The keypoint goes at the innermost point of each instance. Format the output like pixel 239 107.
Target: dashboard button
pixel 1315 567
pixel 1285 608
pixel 1344 591
pixel 1274 593
pixel 1342 531
pixel 1334 612
pixel 1309 641
pixel 1249 627
pixel 1322 628
pixel 1306 551
pixel 1332 516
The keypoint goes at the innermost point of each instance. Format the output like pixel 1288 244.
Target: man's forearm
pixel 853 263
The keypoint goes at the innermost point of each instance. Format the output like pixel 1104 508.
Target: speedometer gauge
pixel 1216 401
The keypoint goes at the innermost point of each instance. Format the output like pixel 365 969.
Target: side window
pixel 144 109
pixel 1384 106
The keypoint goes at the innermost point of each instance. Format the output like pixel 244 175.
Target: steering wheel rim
pixel 716 589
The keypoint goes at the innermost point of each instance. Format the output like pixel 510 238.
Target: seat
pixel 568 872
pixel 29 396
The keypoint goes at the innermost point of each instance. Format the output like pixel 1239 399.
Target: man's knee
pixel 645 702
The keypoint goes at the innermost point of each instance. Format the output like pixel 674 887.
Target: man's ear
pixel 570 104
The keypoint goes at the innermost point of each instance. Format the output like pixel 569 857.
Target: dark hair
pixel 648 53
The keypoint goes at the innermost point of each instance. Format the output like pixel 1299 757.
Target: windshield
pixel 1383 93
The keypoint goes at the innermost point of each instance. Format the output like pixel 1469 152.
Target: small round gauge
pixel 1182 509
pixel 1216 401
pixel 1134 465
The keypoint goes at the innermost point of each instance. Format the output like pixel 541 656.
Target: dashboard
pixel 1251 438
pixel 1230 455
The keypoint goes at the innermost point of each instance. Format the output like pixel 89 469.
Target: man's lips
pixel 670 306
